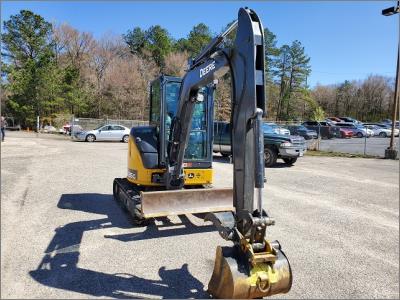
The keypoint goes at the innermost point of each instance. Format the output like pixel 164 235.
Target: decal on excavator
pixel 204 71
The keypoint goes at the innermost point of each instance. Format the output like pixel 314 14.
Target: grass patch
pixel 338 154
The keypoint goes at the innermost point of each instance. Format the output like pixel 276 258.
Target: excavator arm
pixel 200 75
pixel 245 61
pixel 254 267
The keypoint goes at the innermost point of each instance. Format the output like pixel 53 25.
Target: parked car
pixel 325 129
pixel 388 126
pixel 345 132
pixel 379 131
pixel 358 130
pixel 278 129
pixel 111 132
pixel 334 129
pixel 334 119
pixel 68 129
pixel 349 120
pixel 11 125
pixel 49 129
pixel 286 147
pixel 385 126
pixel 389 122
pixel 302 131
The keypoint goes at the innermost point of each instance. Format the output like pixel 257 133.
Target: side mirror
pixel 99 130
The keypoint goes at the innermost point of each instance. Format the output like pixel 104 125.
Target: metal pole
pixel 396 100
pixel 72 126
pixel 365 141
pixel 37 126
pixel 390 152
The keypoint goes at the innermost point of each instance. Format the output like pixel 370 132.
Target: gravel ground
pixel 64 237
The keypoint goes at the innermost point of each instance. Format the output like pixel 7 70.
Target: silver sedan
pixel 111 132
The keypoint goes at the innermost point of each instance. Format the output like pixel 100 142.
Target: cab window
pixel 155 102
pixel 197 144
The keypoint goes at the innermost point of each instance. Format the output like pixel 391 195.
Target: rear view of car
pixel 323 129
pixel 345 133
pixel 302 131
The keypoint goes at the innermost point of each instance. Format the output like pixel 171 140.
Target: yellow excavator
pixel 169 157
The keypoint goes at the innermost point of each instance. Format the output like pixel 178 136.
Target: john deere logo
pixel 207 69
pixel 190 175
pixel 132 174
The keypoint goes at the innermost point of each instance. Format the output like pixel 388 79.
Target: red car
pixel 67 128
pixel 346 133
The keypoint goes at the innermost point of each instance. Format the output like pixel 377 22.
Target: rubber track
pixel 128 196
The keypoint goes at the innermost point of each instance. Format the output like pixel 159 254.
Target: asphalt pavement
pixel 371 146
pixel 63 236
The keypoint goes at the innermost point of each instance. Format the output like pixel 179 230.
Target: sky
pixel 345 40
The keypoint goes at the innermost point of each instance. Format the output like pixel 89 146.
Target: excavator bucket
pixel 187 201
pixel 234 278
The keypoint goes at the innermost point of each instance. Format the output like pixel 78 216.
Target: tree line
pixel 50 70
pixel 366 100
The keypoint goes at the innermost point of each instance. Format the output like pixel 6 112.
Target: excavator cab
pixel 148 145
pixel 143 192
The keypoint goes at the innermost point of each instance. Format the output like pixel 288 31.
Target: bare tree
pixel 125 86
pixel 176 63
pixel 75 45
pixel 367 100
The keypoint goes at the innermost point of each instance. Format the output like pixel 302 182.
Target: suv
pixel 325 129
pixel 287 147
pixel 302 131
pixel 350 120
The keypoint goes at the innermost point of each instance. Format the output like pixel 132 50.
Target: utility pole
pixel 391 152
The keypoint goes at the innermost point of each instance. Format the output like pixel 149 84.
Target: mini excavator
pixel 160 176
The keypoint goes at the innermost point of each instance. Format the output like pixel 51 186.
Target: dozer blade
pixel 234 278
pixel 179 202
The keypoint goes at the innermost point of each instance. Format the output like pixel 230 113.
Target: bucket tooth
pixel 234 278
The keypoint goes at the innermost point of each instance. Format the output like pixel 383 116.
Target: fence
pixel 324 141
pixel 334 140
pixel 90 123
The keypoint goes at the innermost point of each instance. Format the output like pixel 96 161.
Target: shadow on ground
pixel 59 266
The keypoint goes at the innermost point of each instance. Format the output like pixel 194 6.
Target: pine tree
pixel 198 38
pixel 292 69
pixel 28 56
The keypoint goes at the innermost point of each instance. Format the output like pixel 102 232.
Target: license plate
pixel 301 154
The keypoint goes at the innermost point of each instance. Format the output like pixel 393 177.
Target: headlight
pixel 286 144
